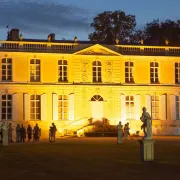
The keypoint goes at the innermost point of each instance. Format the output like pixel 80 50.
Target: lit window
pixel 177 108
pixel 35 107
pixel 177 73
pixel 154 68
pixel 96 68
pixel 62 71
pixel 6 72
pixel 130 107
pixel 129 76
pixel 155 107
pixel 35 70
pixel 6 103
pixel 62 107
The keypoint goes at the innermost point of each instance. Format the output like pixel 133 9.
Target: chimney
pixel 52 36
pixel 14 35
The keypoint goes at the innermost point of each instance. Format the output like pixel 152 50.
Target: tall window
pixel 177 108
pixel 62 107
pixel 6 107
pixel 129 72
pixel 35 70
pixel 35 107
pixel 177 73
pixel 155 107
pixel 6 69
pixel 154 67
pixel 62 70
pixel 129 107
pixel 97 71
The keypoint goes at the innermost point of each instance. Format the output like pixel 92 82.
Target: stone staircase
pixel 74 129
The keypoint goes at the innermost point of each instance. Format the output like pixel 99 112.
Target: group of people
pixel 22 133
pixel 124 131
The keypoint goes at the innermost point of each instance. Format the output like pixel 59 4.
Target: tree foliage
pixel 110 26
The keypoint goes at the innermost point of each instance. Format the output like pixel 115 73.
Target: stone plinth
pixel 147 149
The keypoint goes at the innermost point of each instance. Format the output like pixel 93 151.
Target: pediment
pixel 97 50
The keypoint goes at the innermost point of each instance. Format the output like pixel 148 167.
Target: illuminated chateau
pixel 73 82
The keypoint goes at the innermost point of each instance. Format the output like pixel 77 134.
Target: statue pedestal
pixel 5 138
pixel 147 149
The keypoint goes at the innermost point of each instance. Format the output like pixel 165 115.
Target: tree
pixel 157 33
pixel 110 26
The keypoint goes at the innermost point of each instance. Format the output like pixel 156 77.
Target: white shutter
pixel 15 107
pixel 0 106
pixel 71 107
pixel 148 104
pixel 173 107
pixel 55 106
pixel 123 107
pixel 26 108
pixel 137 107
pixel 43 106
pixel 162 107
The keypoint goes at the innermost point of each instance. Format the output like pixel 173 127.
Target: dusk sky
pixel 69 18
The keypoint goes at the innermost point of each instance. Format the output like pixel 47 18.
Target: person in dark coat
pixel 22 133
pixel 29 132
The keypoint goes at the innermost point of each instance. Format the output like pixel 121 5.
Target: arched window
pixel 154 67
pixel 62 70
pixel 6 65
pixel 130 107
pixel 6 104
pixel 96 71
pixel 129 76
pixel 96 98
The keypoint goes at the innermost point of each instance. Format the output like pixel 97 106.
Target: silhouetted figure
pixel 18 129
pixel 10 130
pixel 36 133
pixel 54 132
pixel 29 132
pixel 22 133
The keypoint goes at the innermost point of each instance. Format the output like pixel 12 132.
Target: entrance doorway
pixel 97 107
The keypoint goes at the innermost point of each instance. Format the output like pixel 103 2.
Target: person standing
pixel 22 133
pixel 10 130
pixel 120 133
pixel 54 129
pixel 29 132
pixel 18 128
pixel 128 133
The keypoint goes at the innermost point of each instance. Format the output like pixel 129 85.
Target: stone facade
pixel 107 91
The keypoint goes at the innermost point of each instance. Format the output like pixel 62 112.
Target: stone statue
pixel 120 133
pixel 5 134
pixel 147 124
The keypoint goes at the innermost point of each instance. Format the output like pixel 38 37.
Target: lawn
pixel 89 158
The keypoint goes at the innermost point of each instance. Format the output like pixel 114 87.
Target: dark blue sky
pixel 69 18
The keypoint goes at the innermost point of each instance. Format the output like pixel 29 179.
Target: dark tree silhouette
pixel 110 26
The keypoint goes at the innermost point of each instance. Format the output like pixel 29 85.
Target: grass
pixel 89 158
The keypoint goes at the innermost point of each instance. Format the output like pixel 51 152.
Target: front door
pixel 97 107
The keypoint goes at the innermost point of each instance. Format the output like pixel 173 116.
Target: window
pixel 35 107
pixel 154 66
pixel 35 70
pixel 177 73
pixel 129 72
pixel 6 69
pixel 129 107
pixel 155 107
pixel 96 71
pixel 96 98
pixel 62 107
pixel 6 107
pixel 62 70
pixel 177 107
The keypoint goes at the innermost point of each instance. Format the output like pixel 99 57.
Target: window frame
pixel 62 65
pixel 35 101
pixel 4 104
pixel 96 71
pixel 129 99
pixel 7 70
pixel 33 69
pixel 129 75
